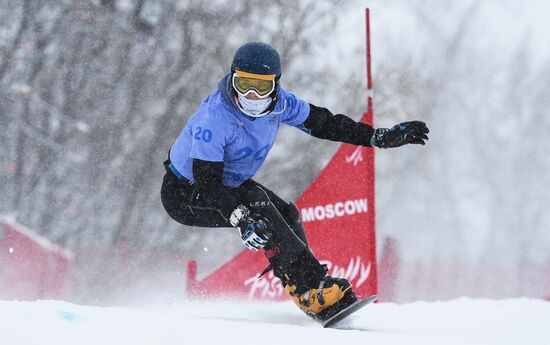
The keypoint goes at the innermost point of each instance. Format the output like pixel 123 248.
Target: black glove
pixel 413 132
pixel 254 227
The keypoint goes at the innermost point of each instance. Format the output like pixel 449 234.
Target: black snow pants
pixel 288 251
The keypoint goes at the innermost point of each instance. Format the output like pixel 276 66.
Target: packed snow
pixel 461 321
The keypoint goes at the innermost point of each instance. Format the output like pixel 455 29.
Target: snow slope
pixel 462 321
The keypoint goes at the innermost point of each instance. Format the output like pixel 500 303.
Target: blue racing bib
pixel 220 132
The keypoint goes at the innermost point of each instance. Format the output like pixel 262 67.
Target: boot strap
pixel 305 299
pixel 321 296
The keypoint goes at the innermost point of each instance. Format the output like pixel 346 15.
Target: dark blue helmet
pixel 258 58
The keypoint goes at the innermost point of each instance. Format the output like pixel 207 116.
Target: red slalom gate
pixel 338 214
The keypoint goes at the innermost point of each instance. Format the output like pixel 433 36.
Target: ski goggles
pixel 261 84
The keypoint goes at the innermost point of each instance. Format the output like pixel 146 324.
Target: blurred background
pixel 93 94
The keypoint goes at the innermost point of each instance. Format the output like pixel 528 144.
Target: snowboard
pixel 352 308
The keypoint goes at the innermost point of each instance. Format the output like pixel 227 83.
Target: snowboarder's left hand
pixel 412 132
pixel 253 226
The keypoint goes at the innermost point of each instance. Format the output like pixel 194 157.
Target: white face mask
pixel 253 107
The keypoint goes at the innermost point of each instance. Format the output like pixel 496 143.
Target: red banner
pixel 31 267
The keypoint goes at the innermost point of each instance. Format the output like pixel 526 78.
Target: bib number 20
pixel 203 134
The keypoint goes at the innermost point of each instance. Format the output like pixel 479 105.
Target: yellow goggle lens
pixel 262 84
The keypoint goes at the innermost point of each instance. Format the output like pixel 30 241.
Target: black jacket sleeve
pixel 208 190
pixel 321 123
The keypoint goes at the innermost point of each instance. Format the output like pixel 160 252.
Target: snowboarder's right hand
pixel 254 229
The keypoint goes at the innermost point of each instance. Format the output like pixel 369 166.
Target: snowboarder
pixel 208 181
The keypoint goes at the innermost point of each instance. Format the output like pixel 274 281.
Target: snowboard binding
pixel 332 296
